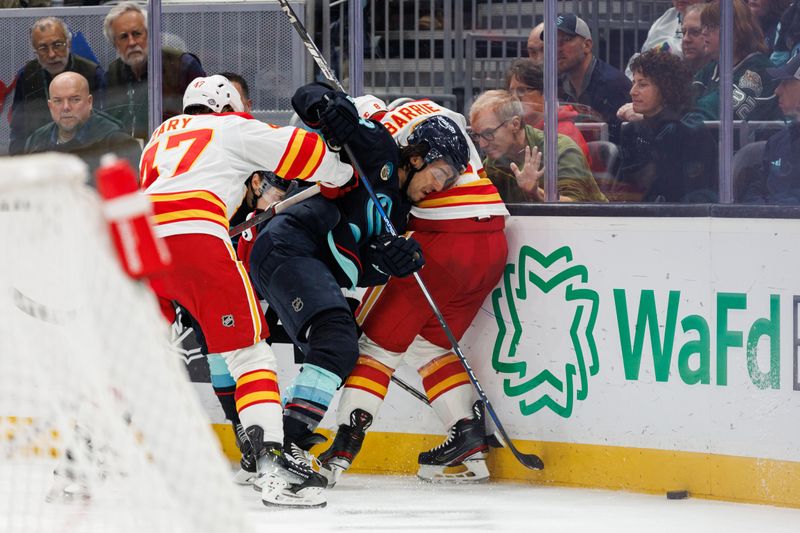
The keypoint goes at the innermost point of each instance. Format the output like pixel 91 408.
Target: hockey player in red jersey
pixel 460 231
pixel 194 170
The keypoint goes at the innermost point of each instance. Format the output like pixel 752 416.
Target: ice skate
pixel 345 447
pixel 68 487
pixel 461 458
pixel 285 477
pixel 246 474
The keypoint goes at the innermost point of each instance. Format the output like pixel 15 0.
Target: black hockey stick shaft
pixel 531 461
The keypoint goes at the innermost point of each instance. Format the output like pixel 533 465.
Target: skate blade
pixel 70 493
pixel 332 472
pixel 474 471
pixel 243 477
pixel 308 498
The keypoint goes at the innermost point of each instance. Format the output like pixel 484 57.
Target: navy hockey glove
pixel 339 120
pixel 396 256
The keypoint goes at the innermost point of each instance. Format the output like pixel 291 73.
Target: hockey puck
pixel 677 494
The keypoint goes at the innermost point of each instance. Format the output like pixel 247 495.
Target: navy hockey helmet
pixel 444 139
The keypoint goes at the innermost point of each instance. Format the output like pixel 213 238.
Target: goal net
pixel 90 387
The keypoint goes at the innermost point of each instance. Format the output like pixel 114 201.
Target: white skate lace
pixel 451 435
pixel 303 457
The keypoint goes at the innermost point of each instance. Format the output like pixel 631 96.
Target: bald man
pixel 536 44
pixel 51 41
pixel 76 128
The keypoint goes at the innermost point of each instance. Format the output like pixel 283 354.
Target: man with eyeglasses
pixel 693 43
pixel 514 154
pixel 125 27
pixel 51 41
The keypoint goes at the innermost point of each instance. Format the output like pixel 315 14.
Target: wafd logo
pixel 546 362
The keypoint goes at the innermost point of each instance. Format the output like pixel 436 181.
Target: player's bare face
pixel 433 177
pixel 130 38
pixel 51 47
pixel 70 104
pixel 788 93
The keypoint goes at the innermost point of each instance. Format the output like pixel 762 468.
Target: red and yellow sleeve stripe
pixel 258 386
pixel 371 376
pixel 302 157
pixel 189 205
pixel 480 191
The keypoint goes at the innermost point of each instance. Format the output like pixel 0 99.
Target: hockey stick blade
pixel 273 210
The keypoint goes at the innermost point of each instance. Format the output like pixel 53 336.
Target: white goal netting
pixel 89 385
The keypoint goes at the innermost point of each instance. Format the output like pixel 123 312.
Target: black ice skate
pixel 461 458
pixel 285 477
pixel 247 471
pixel 345 447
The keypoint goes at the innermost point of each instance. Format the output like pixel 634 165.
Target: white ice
pixel 400 504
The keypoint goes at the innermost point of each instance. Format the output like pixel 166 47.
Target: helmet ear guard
pixel 214 92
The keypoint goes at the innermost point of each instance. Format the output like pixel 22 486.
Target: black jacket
pixel 99 135
pixel 669 158
pixel 779 179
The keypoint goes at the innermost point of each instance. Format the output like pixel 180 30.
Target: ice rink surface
pixel 395 504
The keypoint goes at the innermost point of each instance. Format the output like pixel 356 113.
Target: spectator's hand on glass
pixel 627 114
pixel 532 171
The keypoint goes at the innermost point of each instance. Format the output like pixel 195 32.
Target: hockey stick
pixel 531 461
pixel 273 210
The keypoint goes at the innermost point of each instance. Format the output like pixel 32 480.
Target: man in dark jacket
pixel 77 129
pixel 779 179
pixel 125 27
pixel 586 79
pixel 51 40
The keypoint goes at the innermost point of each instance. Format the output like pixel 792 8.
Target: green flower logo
pixel 546 380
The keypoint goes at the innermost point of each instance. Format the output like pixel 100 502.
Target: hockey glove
pixel 339 120
pixel 395 256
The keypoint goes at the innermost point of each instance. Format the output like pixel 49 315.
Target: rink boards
pixel 644 354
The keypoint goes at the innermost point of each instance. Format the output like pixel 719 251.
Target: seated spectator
pixel 787 44
pixel 513 154
pixel 79 130
pixel 667 156
pixel 52 42
pixel 767 14
pixel 586 79
pixel 536 44
pixel 525 80
pixel 779 180
pixel 693 45
pixel 752 86
pixel 125 26
pixel 241 86
pixel 665 33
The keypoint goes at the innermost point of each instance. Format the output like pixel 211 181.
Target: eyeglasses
pixel 57 47
pixel 692 32
pixel 487 135
pixel 523 90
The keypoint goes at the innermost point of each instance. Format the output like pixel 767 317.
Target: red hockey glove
pixel 246 241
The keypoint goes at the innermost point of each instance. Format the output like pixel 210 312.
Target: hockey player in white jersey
pixel 459 227
pixel 194 170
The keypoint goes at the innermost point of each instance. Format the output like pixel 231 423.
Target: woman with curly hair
pixel 668 156
pixel 753 87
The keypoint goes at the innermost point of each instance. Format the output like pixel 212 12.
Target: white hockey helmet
pixel 368 105
pixel 214 92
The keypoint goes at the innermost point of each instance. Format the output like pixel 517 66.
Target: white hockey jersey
pixel 473 195
pixel 194 167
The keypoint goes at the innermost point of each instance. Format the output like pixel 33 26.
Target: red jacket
pixel 566 126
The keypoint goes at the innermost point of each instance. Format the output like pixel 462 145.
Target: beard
pixel 135 57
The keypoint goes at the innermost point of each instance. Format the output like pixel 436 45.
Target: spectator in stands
pixel 241 86
pixel 125 26
pixel 788 42
pixel 668 156
pixel 513 154
pixel 52 41
pixel 525 80
pixel 78 129
pixel 768 15
pixel 693 45
pixel 779 180
pixel 586 79
pixel 665 33
pixel 753 86
pixel 536 44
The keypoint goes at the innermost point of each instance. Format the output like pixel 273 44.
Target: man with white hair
pixel 125 27
pixel 51 41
